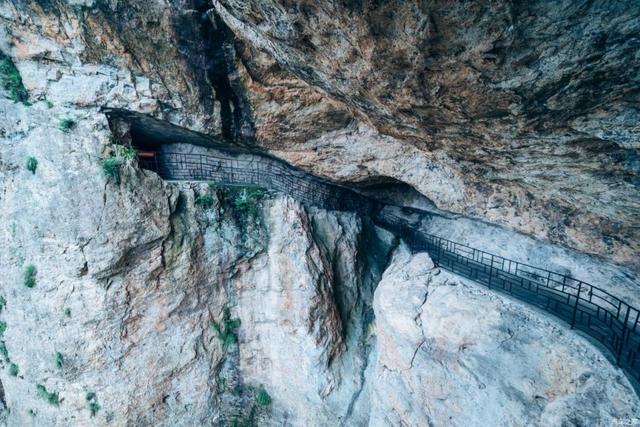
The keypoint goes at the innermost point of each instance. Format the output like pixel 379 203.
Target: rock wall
pixel 456 354
pixel 525 112
pixel 166 304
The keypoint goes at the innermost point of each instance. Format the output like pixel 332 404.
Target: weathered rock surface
pixel 529 109
pixel 491 117
pixel 452 353
pixel 524 115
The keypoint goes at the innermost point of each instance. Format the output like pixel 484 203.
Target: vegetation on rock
pixel 204 200
pixel 227 330
pixel 65 124
pixel 112 165
pixel 244 201
pixel 58 360
pixel 13 370
pixel 3 351
pixel 51 397
pixel 92 403
pixel 11 81
pixel 263 397
pixel 31 164
pixel 29 276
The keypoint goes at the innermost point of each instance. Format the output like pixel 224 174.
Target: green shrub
pixel 49 103
pixel 112 165
pixel 244 422
pixel 226 331
pixel 263 397
pixel 58 360
pixel 245 202
pixel 67 312
pixel 31 412
pixel 92 403
pixel 3 303
pixel 11 81
pixel 205 201
pixel 3 327
pixel 13 370
pixel 124 152
pixel 111 168
pixel 65 124
pixel 50 397
pixel 29 276
pixel 31 164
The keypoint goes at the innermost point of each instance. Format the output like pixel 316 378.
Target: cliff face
pixel 524 114
pixel 521 114
pixel 184 304
pixel 159 303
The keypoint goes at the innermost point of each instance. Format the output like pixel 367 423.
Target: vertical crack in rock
pixel 235 114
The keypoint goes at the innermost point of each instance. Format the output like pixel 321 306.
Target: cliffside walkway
pixel 594 311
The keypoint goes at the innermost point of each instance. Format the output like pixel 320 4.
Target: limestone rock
pixel 457 354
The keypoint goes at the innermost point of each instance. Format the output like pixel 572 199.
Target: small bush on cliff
pixel 31 164
pixel 112 165
pixel 3 303
pixel 3 351
pixel 65 124
pixel 29 276
pixel 263 397
pixel 50 397
pixel 13 370
pixel 11 81
pixel 92 403
pixel 124 152
pixel 205 201
pixel 245 202
pixel 111 168
pixel 226 331
pixel 58 360
pixel 3 327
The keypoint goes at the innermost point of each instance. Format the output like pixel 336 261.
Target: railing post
pixel 575 307
pixel 490 272
pixel 623 336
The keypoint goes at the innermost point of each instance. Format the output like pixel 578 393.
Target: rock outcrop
pixel 525 112
pixel 451 353
pixel 523 115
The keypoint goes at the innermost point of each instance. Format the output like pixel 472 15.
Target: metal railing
pixel 596 312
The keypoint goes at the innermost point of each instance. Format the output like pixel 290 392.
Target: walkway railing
pixel 596 312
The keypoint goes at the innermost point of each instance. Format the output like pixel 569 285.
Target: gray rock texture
pixel 183 304
pixel 524 115
pixel 526 112
pixel 456 354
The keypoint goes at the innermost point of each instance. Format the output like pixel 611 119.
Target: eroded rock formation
pixel 521 115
